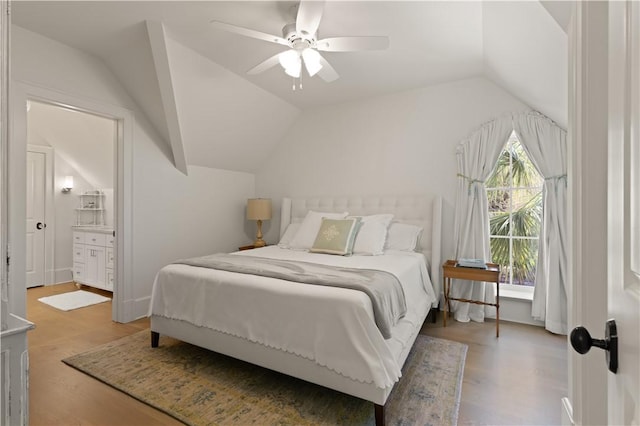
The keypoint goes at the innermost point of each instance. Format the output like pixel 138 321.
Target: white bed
pixel 324 335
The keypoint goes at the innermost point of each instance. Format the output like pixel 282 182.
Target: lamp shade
pixel 259 209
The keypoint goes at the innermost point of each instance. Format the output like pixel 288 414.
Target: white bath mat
pixel 73 300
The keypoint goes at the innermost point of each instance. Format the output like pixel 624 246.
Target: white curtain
pixel 546 144
pixel 477 156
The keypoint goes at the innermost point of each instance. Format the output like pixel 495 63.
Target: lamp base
pixel 259 242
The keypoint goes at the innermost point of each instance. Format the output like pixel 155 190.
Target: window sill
pixel 516 295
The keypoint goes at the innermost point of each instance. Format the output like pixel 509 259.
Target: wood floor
pixel 516 379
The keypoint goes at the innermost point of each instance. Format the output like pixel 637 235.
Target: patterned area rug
pixel 199 387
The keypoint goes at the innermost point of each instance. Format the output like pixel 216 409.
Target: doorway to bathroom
pixel 70 197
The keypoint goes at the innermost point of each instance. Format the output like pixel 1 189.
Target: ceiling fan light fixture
pixel 291 62
pixel 294 71
pixel 311 61
pixel 302 39
pixel 289 59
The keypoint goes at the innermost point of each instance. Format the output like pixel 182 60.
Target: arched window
pixel 514 195
pixel 490 192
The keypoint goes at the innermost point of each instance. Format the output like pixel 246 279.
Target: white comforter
pixel 332 326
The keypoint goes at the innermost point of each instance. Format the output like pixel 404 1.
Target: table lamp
pixel 259 209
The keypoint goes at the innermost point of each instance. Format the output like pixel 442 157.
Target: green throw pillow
pixel 336 236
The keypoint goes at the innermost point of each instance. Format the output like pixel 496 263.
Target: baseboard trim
pixel 566 414
pixel 62 275
pixel 516 310
pixel 136 308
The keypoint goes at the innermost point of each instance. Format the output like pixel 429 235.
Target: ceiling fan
pixel 301 37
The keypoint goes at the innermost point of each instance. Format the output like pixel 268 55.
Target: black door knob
pixel 582 341
pixel 39 225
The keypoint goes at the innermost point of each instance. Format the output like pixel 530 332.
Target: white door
pixel 624 209
pixel 605 208
pixel 35 195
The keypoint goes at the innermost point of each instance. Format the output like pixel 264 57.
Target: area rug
pixel 200 387
pixel 73 300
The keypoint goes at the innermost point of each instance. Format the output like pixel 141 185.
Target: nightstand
pixel 249 247
pixel 451 271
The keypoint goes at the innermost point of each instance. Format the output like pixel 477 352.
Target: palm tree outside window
pixel 514 193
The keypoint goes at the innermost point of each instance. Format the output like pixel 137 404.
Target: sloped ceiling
pixel 227 123
pixel 560 10
pixel 228 119
pixel 525 52
pixel 84 141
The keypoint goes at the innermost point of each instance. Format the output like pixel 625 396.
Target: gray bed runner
pixel 383 288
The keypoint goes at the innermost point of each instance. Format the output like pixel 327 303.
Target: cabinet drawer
pixel 109 257
pixel 78 253
pixel 95 239
pixel 109 283
pixel 78 237
pixel 78 272
pixel 110 240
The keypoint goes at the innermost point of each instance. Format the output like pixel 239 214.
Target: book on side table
pixel 472 263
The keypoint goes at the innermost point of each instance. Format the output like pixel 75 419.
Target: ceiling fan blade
pixel 309 15
pixel 265 65
pixel 351 44
pixel 327 73
pixel 249 33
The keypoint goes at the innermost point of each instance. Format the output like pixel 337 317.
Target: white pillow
pixel 289 233
pixel 309 228
pixel 402 236
pixel 372 235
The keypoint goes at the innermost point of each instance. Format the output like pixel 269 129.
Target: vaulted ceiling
pixel 203 103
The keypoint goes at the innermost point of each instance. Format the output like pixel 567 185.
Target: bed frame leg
pixel 155 339
pixel 379 410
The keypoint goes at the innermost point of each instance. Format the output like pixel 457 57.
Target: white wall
pixel 174 216
pixel 398 144
pixel 65 205
pixel 204 215
pixel 403 143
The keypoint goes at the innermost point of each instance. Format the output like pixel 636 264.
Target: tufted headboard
pixel 424 211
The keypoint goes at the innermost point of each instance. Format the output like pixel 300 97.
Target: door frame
pixel 21 92
pixel 587 207
pixel 49 216
pixel 5 79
